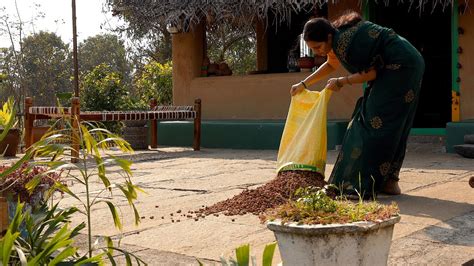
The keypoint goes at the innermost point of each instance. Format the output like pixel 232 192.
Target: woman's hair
pixel 318 29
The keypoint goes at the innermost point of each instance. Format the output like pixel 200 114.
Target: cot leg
pixel 28 123
pixel 197 125
pixel 153 127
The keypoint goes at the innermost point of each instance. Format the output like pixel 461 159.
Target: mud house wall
pixel 466 73
pixel 264 96
pixel 187 56
pixel 256 97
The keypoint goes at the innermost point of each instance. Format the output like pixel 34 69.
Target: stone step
pixel 469 139
pixel 465 150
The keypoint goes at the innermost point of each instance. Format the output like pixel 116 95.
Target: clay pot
pixel 305 62
pixel 319 60
pixel 135 132
pixel 38 133
pixel 224 70
pixel 212 69
pixel 9 144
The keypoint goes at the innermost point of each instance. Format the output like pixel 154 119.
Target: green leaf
pixel 7 245
pixel 15 166
pixel 64 254
pixel 85 260
pixel 66 190
pixel 111 258
pixel 114 213
pixel 33 183
pixel 110 245
pixel 137 216
pixel 268 253
pixel 243 255
pixel 124 164
pixel 7 117
pixel 21 256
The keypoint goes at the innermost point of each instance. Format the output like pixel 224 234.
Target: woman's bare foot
pixel 391 187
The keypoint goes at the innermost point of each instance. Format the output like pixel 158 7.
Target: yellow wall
pixel 263 96
pixel 187 60
pixel 466 73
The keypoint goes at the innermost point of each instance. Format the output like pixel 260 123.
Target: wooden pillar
pixel 75 123
pixel 154 127
pixel 197 125
pixel 262 46
pixel 28 139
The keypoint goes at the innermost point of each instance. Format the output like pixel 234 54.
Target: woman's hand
pixel 296 88
pixel 334 84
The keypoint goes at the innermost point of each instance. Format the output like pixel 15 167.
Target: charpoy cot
pixel 155 114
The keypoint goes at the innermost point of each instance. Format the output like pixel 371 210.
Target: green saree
pixel 374 145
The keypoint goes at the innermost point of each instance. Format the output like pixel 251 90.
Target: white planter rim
pixel 319 229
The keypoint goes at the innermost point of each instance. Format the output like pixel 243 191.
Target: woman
pixel 374 144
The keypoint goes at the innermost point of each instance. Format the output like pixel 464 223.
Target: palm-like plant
pixel 94 143
pixel 94 146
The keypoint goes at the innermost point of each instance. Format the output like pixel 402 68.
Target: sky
pixel 58 18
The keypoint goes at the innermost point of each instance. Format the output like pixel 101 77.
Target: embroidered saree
pixel 374 145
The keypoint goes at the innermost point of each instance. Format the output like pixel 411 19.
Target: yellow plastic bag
pixel 303 145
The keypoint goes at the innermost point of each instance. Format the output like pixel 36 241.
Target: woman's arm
pixel 324 70
pixel 336 84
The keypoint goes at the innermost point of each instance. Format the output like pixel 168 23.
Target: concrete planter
pixel 361 243
pixel 9 145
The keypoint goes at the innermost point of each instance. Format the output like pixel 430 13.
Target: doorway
pixel 430 33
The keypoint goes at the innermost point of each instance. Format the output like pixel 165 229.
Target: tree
pixel 103 90
pixel 233 45
pixel 155 81
pixel 104 49
pixel 10 58
pixel 46 65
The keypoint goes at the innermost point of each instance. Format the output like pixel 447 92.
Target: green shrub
pixel 103 90
pixel 155 81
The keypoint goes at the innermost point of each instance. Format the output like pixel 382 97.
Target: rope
pixel 158 113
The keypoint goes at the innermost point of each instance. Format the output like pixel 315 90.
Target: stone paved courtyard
pixel 437 206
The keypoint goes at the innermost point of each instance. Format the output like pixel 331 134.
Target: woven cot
pixel 156 113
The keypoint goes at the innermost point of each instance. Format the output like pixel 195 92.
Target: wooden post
pixel 3 214
pixel 75 122
pixel 154 127
pixel 197 125
pixel 28 122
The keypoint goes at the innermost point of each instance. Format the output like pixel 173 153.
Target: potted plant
pixel 18 186
pixel 317 229
pixel 94 143
pixel 9 135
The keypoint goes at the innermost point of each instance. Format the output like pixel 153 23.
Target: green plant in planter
pixel 91 167
pixel 318 228
pixel 7 117
pixel 14 185
pixel 243 257
pixel 9 135
pixel 49 239
pixel 314 206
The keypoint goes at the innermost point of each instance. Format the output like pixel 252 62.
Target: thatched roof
pixel 150 13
